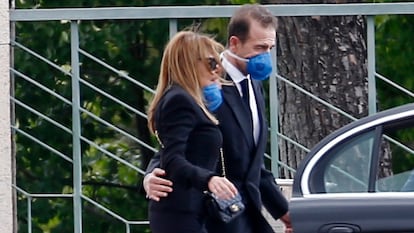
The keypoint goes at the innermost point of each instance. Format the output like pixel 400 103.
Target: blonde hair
pixel 179 66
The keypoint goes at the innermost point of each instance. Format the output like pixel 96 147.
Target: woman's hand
pixel 222 187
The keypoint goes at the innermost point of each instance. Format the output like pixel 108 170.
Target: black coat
pixel 244 160
pixel 191 148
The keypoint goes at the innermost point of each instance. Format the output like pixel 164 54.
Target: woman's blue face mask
pixel 213 96
pixel 259 67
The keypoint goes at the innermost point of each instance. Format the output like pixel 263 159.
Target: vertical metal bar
pixel 173 27
pixel 13 120
pixel 76 129
pixel 372 92
pixel 128 228
pixel 274 116
pixel 29 214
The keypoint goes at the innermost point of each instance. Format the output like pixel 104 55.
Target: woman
pixel 180 116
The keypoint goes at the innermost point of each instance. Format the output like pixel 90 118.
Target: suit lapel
pixel 260 110
pixel 259 150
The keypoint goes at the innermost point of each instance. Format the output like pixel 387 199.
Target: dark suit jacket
pixel 244 160
pixel 191 148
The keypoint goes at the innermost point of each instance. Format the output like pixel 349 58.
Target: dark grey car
pixel 348 182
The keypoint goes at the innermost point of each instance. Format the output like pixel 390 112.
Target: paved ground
pixel 277 225
pixel 286 187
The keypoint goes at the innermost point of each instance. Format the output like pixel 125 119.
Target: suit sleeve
pixel 153 163
pixel 272 197
pixel 177 119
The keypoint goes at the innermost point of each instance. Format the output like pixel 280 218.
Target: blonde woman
pixel 180 115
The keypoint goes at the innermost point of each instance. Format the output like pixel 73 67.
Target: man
pixel 247 61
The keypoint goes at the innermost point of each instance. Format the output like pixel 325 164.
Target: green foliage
pixel 395 59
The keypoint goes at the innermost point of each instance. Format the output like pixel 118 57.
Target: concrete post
pixel 6 200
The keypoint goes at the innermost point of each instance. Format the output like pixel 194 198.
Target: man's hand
pixel 288 224
pixel 155 186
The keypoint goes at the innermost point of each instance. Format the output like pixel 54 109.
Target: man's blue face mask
pixel 259 67
pixel 213 96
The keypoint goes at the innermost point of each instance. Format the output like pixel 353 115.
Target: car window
pixel 396 166
pixel 348 167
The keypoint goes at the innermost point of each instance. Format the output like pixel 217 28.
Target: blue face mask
pixel 259 67
pixel 213 96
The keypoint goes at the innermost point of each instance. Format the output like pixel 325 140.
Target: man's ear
pixel 234 43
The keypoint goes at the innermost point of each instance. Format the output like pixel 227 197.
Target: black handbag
pixel 224 210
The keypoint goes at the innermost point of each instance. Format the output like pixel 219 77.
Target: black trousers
pixel 176 222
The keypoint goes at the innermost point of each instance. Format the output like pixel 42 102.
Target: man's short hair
pixel 239 24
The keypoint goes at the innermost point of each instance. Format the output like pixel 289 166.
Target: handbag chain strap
pixel 158 139
pixel 223 169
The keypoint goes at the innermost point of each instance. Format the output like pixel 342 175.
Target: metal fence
pixel 172 14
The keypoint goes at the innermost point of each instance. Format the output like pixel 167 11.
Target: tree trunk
pixel 326 56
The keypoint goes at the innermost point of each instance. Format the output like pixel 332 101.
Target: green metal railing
pixel 172 14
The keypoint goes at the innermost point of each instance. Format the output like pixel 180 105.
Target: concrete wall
pixel 6 203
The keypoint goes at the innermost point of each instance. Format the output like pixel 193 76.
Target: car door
pixel 347 183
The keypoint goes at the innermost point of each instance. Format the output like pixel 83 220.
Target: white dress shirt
pixel 237 77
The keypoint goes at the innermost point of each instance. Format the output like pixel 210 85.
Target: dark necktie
pixel 245 90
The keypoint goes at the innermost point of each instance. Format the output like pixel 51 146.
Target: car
pixel 359 178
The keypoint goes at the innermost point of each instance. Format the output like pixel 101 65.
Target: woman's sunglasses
pixel 212 63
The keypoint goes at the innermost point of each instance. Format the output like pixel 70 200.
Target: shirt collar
pixel 231 70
